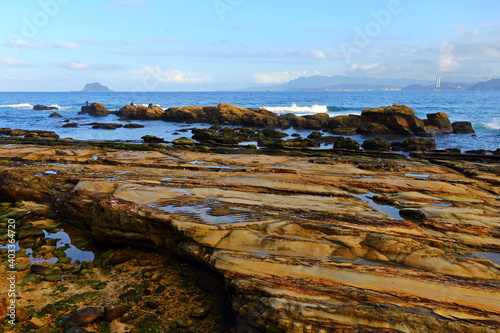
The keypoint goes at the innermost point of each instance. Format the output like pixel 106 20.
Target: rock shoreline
pixel 330 240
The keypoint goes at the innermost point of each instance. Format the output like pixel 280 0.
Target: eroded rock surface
pixel 302 246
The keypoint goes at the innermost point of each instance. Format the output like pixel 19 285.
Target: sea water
pixel 482 109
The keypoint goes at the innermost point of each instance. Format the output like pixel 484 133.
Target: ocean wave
pixel 495 124
pixel 18 106
pixel 294 108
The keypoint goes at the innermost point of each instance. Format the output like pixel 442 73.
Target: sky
pixel 164 45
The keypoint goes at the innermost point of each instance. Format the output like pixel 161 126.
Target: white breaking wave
pixel 298 109
pixel 18 106
pixel 495 124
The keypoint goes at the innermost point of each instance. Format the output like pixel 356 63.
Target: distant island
pixel 95 87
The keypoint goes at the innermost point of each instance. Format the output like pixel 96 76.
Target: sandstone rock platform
pixel 301 244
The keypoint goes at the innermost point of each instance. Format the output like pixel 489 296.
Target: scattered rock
pixel 133 126
pixel 376 144
pixel 346 143
pixel 55 115
pixel 36 323
pixel 82 297
pixel 462 127
pixel 70 125
pixel 41 270
pixel 419 144
pixel 49 309
pixel 152 139
pixel 119 257
pixel 183 142
pixel 107 126
pixel 83 317
pixel 44 108
pixel 441 121
pixel 30 232
pixel 114 312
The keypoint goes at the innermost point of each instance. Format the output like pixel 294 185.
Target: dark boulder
pixel 83 317
pixel 70 125
pixel 346 143
pixel 373 129
pixel 95 109
pixel 55 115
pixel 376 144
pixel 106 126
pixel 462 127
pixel 152 139
pixel 441 121
pixel 419 144
pixel 133 126
pixel 349 121
pixel 44 108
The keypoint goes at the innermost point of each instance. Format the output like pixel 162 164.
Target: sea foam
pixel 18 106
pixel 494 124
pixel 294 108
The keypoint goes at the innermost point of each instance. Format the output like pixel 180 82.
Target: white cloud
pixel 372 69
pixel 447 61
pixel 41 45
pixel 66 45
pixel 14 62
pixel 171 75
pixel 73 65
pixel 318 54
pixel 280 77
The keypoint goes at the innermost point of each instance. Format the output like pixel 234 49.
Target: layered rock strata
pixel 304 245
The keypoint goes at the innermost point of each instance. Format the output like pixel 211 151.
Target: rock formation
pixel 95 109
pixel 140 112
pixel 301 246
pixel 44 108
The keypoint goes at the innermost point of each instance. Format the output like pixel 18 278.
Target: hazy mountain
pixel 339 82
pixel 95 87
pixel 491 85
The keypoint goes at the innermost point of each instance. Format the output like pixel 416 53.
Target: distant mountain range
pixel 95 87
pixel 347 83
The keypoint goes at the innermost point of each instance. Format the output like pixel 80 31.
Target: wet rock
pixel 35 323
pixel 399 119
pixel 346 143
pixel 200 312
pixel 49 309
pixel 272 134
pixel 183 142
pixel 55 115
pixel 462 127
pixel 114 312
pixel 140 112
pixel 152 139
pixel 95 109
pixel 21 267
pixel 41 134
pixel 133 126
pixel 153 304
pixel 477 151
pixel 40 107
pixel 72 125
pixel 419 144
pixel 345 121
pixel 107 126
pixel 41 270
pixel 413 213
pixel 441 121
pixel 373 129
pixel 30 232
pixel 315 135
pixel 82 297
pixel 376 144
pixel 52 277
pixel 119 257
pixel 22 314
pixel 83 317
pixel 32 278
pixel 130 296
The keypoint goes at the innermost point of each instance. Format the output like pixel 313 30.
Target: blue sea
pixel 482 109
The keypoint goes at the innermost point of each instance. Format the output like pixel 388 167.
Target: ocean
pixel 482 109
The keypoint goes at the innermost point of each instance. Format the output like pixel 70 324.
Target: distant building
pixel 438 81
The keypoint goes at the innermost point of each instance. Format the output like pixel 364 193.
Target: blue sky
pixel 160 45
